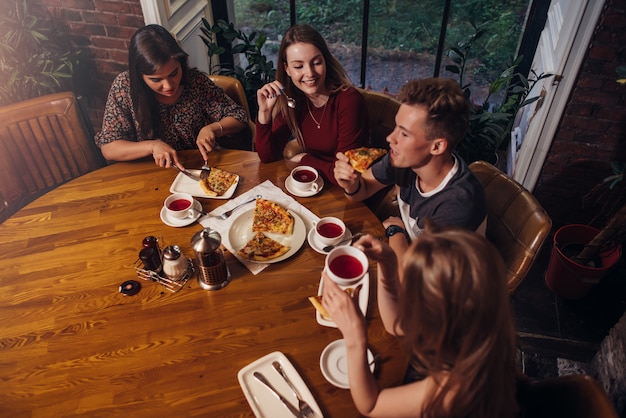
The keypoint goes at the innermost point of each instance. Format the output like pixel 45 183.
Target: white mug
pixel 304 178
pixel 179 206
pixel 329 230
pixel 346 265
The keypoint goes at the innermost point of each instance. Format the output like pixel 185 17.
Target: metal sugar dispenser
pixel 213 273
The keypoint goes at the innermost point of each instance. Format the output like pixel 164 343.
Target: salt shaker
pixel 213 273
pixel 174 263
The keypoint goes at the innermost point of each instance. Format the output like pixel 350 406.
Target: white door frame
pixel 183 19
pixel 530 163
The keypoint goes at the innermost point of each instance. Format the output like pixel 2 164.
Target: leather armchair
pixel 233 88
pixel 516 223
pixel 572 396
pixel 44 142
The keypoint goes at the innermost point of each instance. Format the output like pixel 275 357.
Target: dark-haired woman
pixel 160 105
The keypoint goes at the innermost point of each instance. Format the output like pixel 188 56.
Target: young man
pixel 434 183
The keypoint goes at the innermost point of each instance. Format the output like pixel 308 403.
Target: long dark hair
pixel 150 48
pixel 336 76
pixel 455 314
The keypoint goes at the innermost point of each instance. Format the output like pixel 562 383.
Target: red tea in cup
pixel 179 204
pixel 304 176
pixel 330 230
pixel 304 179
pixel 346 266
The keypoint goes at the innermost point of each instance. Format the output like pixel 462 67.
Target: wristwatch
pixel 392 230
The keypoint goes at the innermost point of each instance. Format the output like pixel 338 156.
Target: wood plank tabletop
pixel 71 344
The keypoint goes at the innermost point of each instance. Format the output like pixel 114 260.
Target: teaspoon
pixel 352 238
pixel 290 101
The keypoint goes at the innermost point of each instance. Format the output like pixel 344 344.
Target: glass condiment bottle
pixel 213 273
pixel 174 262
pixel 151 259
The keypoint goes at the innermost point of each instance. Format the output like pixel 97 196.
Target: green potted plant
pixel 257 71
pixel 34 59
pixel 491 123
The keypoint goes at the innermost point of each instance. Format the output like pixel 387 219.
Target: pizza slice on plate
pixel 217 182
pixel 362 158
pixel 262 248
pixel 271 217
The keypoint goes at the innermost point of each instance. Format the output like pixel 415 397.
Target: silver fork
pixel 229 212
pixel 305 410
pixel 205 170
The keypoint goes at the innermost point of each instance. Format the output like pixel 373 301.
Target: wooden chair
pixel 573 396
pixel 44 142
pixel 516 223
pixel 234 89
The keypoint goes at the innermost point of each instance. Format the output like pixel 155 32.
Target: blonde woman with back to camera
pixel 450 302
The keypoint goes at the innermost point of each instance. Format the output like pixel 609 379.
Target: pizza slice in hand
pixel 362 158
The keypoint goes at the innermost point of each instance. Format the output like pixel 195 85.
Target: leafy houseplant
pixel 34 59
pixel 491 124
pixel 257 72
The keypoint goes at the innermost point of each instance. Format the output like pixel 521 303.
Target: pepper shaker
pixel 213 273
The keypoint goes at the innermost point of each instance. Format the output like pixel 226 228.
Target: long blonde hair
pixel 456 317
pixel 336 76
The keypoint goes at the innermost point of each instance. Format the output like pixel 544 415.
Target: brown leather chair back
pixel 382 109
pixel 516 223
pixel 44 142
pixel 573 396
pixel 234 89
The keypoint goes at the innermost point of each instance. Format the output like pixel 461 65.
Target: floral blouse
pixel 201 103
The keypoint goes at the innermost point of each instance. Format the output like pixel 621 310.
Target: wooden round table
pixel 71 344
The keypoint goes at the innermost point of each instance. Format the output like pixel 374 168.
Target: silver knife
pixel 295 411
pixel 186 172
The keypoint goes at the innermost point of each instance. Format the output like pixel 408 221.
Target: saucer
pixel 291 189
pixel 334 364
pixel 320 247
pixel 176 223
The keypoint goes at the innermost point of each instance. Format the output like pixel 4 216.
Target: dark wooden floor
pixel 552 328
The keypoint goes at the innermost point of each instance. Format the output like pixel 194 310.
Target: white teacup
pixel 329 230
pixel 304 179
pixel 179 206
pixel 346 265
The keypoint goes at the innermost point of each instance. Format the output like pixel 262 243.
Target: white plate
pixel 291 189
pixel 334 364
pixel 184 184
pixel 177 223
pixel 364 296
pixel 320 247
pixel 241 232
pixel 261 400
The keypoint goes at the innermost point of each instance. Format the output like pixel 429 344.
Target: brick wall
pixel 593 128
pixel 102 28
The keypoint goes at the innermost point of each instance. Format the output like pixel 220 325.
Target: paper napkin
pixel 267 190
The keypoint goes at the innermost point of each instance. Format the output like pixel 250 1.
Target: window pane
pixel 403 36
pixel 493 52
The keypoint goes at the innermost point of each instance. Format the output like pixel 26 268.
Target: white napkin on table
pixel 267 190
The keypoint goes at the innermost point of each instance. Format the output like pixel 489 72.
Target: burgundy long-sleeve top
pixel 344 125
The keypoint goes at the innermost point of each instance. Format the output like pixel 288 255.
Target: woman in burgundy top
pixel 329 116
